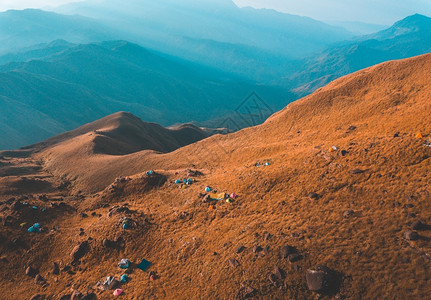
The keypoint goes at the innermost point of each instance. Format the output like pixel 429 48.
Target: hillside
pixel 347 175
pixel 77 84
pixel 406 38
pixel 122 133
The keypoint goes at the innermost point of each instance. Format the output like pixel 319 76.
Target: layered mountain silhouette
pixel 25 28
pixel 338 179
pixel 254 43
pixel 61 86
pixel 406 38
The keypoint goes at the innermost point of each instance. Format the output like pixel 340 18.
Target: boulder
pixel 348 213
pixel 30 272
pixel 55 269
pixel 285 251
pixel 316 280
pixel 79 251
pixel 411 235
pixel 294 257
pixel 39 280
pixel 279 273
pixel 240 249
pixel 233 262
pixel 321 279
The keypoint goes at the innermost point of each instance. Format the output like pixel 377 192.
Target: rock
pixel 285 251
pixel 417 225
pixel 36 297
pixel 257 249
pixel 411 235
pixel 55 268
pixel 351 128
pixel 240 249
pixel 39 280
pixel 267 237
pixel 79 251
pixel 273 279
pixel 76 295
pixel 90 296
pixel 83 215
pixel 279 273
pixel 357 171
pixel 344 152
pixel 65 297
pixel 322 279
pixel 30 272
pixel 313 195
pixel 233 262
pixel 206 198
pixel 348 213
pixel 396 134
pixel 294 257
pixel 316 280
pixel 249 292
pixel 108 243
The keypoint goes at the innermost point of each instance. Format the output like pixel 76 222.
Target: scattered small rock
pixel 411 235
pixel 30 272
pixel 279 273
pixel 240 249
pixel 313 195
pixel 39 280
pixel 267 237
pixel 79 251
pixel 233 262
pixel 257 249
pixel 55 268
pixel 348 213
pixel 294 257
pixel 285 251
pixel 317 279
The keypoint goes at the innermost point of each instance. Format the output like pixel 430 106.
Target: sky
pixel 384 12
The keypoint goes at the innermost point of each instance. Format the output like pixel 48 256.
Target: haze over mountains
pixel 353 211
pixel 208 56
pixel 130 180
pixel 64 85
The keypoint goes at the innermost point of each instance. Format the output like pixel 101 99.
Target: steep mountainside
pixel 338 179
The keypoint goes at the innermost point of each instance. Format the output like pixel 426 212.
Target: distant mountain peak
pixel 413 20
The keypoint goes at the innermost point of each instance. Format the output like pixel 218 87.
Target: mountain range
pixel 335 186
pixel 406 38
pixel 78 83
pixel 63 85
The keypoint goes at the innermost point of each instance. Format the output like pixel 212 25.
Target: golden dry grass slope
pixel 348 174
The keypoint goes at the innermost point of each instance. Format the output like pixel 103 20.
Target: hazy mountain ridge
pixel 24 28
pixel 406 38
pixel 81 83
